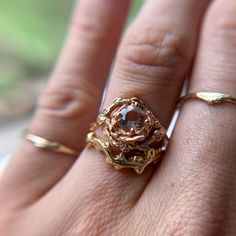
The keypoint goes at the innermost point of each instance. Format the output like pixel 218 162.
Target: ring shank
pixel 208 97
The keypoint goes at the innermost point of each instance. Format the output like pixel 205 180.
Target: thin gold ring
pixel 49 145
pixel 209 97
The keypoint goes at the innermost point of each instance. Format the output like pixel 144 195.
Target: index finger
pixel 70 102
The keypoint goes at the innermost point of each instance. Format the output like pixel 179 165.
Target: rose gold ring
pixel 129 135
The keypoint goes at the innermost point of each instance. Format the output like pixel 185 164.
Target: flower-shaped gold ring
pixel 129 134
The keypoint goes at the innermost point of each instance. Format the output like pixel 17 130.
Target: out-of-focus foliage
pixel 135 8
pixel 31 35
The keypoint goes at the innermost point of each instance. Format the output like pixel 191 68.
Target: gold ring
pixel 209 97
pixel 129 135
pixel 43 143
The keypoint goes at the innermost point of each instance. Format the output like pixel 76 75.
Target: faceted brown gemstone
pixel 131 117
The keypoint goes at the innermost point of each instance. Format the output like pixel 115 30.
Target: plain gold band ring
pixel 46 144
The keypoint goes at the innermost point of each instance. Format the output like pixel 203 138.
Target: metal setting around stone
pixel 133 136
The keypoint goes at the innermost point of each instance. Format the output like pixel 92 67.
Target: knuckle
pixel 90 29
pixel 155 52
pixel 92 32
pixel 67 100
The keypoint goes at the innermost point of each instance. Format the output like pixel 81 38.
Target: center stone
pixel 131 117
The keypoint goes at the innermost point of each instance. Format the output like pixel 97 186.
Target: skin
pixel 193 190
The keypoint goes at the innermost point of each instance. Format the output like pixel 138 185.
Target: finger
pixel 71 99
pixel 199 173
pixel 151 64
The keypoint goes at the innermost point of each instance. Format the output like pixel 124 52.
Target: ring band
pixel 129 135
pixel 209 97
pixel 43 143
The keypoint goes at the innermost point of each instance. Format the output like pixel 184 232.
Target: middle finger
pixel 152 62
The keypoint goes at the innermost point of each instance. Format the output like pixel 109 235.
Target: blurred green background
pixel 31 35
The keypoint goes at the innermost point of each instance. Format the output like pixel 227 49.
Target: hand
pixel 193 190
